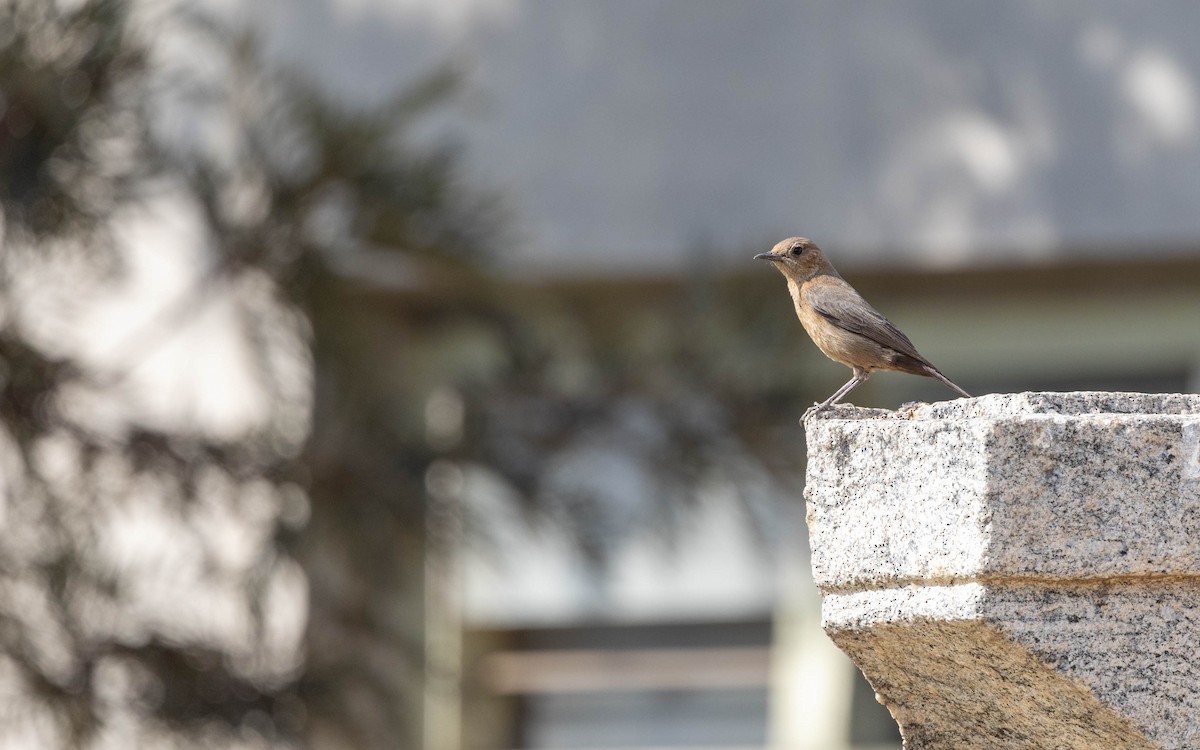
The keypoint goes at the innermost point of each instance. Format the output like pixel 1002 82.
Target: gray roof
pixel 627 132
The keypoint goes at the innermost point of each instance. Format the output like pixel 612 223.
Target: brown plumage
pixel 841 323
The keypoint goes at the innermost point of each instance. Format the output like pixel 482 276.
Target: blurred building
pixel 710 637
pixel 1013 184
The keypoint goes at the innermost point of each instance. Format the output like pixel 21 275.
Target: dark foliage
pixel 375 254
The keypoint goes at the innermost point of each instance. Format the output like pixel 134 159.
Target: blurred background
pixel 395 373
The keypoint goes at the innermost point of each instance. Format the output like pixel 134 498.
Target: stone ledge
pixel 1029 485
pixel 1016 570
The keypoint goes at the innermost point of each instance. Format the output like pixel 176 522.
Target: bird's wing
pixel 837 302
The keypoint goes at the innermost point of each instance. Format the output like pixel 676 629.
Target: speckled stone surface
pixel 1016 570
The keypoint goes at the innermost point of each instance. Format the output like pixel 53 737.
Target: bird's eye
pixel 797 249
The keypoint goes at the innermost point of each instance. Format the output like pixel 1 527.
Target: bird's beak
pixel 766 256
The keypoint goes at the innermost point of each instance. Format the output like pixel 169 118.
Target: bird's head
pixel 797 258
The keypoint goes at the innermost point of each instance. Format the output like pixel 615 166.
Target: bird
pixel 841 323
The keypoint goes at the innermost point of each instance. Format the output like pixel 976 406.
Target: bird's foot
pixel 816 409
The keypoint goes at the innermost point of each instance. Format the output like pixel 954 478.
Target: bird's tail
pixel 933 372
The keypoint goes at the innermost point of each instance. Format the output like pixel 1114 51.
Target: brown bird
pixel 841 323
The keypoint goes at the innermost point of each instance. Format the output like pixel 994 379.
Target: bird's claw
pixel 815 409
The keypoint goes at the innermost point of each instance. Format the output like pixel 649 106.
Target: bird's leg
pixel 860 377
